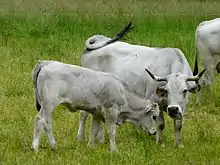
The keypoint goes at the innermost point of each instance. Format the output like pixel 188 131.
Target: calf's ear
pixel 153 107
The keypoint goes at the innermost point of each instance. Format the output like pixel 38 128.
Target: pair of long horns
pixel 190 78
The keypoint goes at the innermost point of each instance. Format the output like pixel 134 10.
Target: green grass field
pixel 57 30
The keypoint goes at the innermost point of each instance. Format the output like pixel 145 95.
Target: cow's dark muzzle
pixel 174 112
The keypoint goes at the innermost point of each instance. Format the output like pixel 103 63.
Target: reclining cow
pixel 129 62
pixel 101 94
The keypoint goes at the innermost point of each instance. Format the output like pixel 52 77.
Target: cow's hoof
pixel 79 137
pixel 91 145
pixel 113 150
pixel 54 148
pixel 162 145
pixel 35 146
pixel 151 133
pixel 100 138
pixel 180 146
pixel 34 149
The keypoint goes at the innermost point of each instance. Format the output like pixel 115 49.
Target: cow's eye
pixel 165 90
pixel 184 91
pixel 154 117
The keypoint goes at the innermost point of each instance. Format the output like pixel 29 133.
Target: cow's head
pixel 175 90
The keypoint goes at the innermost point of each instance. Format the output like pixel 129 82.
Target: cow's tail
pixel 196 69
pixel 39 65
pixel 90 42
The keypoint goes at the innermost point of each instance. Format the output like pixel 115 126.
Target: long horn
pixel 197 77
pixel 156 78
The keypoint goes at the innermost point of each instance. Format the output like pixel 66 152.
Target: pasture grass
pixel 57 30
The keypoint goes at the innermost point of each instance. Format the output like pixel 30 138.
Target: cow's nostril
pixel 173 109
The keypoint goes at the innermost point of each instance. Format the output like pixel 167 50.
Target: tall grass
pixel 57 30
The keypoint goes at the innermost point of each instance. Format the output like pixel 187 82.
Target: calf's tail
pixel 39 65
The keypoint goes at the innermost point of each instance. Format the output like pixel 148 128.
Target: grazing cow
pixel 129 62
pixel 207 39
pixel 101 94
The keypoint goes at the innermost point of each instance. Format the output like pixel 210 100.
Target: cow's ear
pixel 217 67
pixel 161 91
pixel 194 88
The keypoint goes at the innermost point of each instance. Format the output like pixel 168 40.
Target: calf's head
pixel 144 119
pixel 147 119
pixel 175 90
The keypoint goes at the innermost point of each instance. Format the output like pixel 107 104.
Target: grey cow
pixel 207 42
pixel 101 94
pixel 129 61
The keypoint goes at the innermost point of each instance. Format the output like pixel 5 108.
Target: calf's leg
pixel 82 122
pixel 48 129
pixel 94 130
pixel 38 128
pixel 43 120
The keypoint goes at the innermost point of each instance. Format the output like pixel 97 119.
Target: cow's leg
pixel 94 130
pixel 111 129
pixel 160 128
pixel 100 135
pixel 177 131
pixel 205 82
pixel 82 122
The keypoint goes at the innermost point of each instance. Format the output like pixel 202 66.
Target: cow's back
pixel 129 61
pixel 208 37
